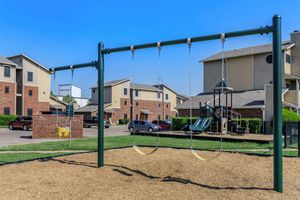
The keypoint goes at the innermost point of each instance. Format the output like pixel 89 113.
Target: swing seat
pixel 63 132
pixel 139 151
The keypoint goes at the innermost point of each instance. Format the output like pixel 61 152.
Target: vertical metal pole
pixel 100 68
pixel 277 104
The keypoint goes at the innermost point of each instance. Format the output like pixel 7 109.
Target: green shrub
pixel 289 116
pixel 179 122
pixel 5 119
pixel 123 121
pixel 254 124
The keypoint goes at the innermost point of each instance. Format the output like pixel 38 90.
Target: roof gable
pixel 266 48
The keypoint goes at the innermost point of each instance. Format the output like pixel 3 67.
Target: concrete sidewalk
pixel 17 137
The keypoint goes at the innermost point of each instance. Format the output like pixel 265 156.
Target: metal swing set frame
pixel 275 30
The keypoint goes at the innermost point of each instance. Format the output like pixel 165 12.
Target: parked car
pixel 142 126
pixel 164 125
pixel 93 121
pixel 21 122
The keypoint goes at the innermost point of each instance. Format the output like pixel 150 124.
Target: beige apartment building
pixel 24 86
pixel 249 71
pixel 126 100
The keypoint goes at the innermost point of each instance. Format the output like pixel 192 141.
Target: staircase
pixel 236 123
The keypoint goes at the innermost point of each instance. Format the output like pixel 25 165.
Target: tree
pixel 69 99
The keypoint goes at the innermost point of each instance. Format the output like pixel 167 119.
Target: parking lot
pixel 14 137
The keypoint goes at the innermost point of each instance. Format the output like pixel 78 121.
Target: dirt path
pixel 167 174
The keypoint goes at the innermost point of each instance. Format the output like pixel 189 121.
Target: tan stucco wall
pixel 240 76
pixel 172 98
pixel 147 95
pixel 287 66
pixel 295 53
pixel 263 71
pixel 12 77
pixel 118 93
pixel 291 97
pixel 44 85
pixel 212 75
pixel 30 67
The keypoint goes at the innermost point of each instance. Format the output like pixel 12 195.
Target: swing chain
pixel 132 52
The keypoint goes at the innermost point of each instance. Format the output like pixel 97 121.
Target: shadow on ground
pixel 126 171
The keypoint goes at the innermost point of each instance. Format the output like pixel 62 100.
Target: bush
pixel 123 121
pixel 254 124
pixel 289 116
pixel 5 119
pixel 179 122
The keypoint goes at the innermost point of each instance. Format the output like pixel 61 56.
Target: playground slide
pixel 201 124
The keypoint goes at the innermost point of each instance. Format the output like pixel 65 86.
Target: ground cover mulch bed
pixel 166 174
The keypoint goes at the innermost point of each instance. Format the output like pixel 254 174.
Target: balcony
pixel 292 96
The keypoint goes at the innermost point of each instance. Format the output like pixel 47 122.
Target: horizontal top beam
pixel 262 30
pixel 72 67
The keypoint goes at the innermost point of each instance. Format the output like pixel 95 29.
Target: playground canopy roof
pixel 266 48
pixel 241 99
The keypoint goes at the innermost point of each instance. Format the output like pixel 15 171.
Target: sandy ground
pixel 167 174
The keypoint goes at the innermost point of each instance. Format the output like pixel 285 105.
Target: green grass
pixel 123 141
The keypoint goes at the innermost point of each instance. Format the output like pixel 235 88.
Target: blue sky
pixel 66 32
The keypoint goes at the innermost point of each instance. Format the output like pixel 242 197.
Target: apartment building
pixel 249 72
pixel 126 100
pixel 24 86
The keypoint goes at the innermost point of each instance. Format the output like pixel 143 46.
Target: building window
pixel 94 90
pixel 125 103
pixel 6 71
pixel 158 117
pixel 167 116
pixel 167 106
pixel 136 93
pixel 29 111
pixel 136 117
pixel 6 111
pixel 167 96
pixel 137 103
pixel 125 116
pixel 158 95
pixel 288 58
pixel 125 91
pixel 30 92
pixel 269 59
pixel 6 89
pixel 159 105
pixel 30 76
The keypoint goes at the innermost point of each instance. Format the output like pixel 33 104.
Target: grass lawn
pixel 125 141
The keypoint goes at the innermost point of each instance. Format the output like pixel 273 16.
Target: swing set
pixel 275 29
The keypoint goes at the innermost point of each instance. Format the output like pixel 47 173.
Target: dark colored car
pixel 142 126
pixel 93 121
pixel 21 122
pixel 164 125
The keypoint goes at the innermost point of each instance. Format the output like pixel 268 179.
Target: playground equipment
pixel 275 29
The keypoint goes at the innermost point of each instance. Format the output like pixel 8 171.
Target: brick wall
pixel 44 126
pixel 32 102
pixel 8 99
pixel 250 113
